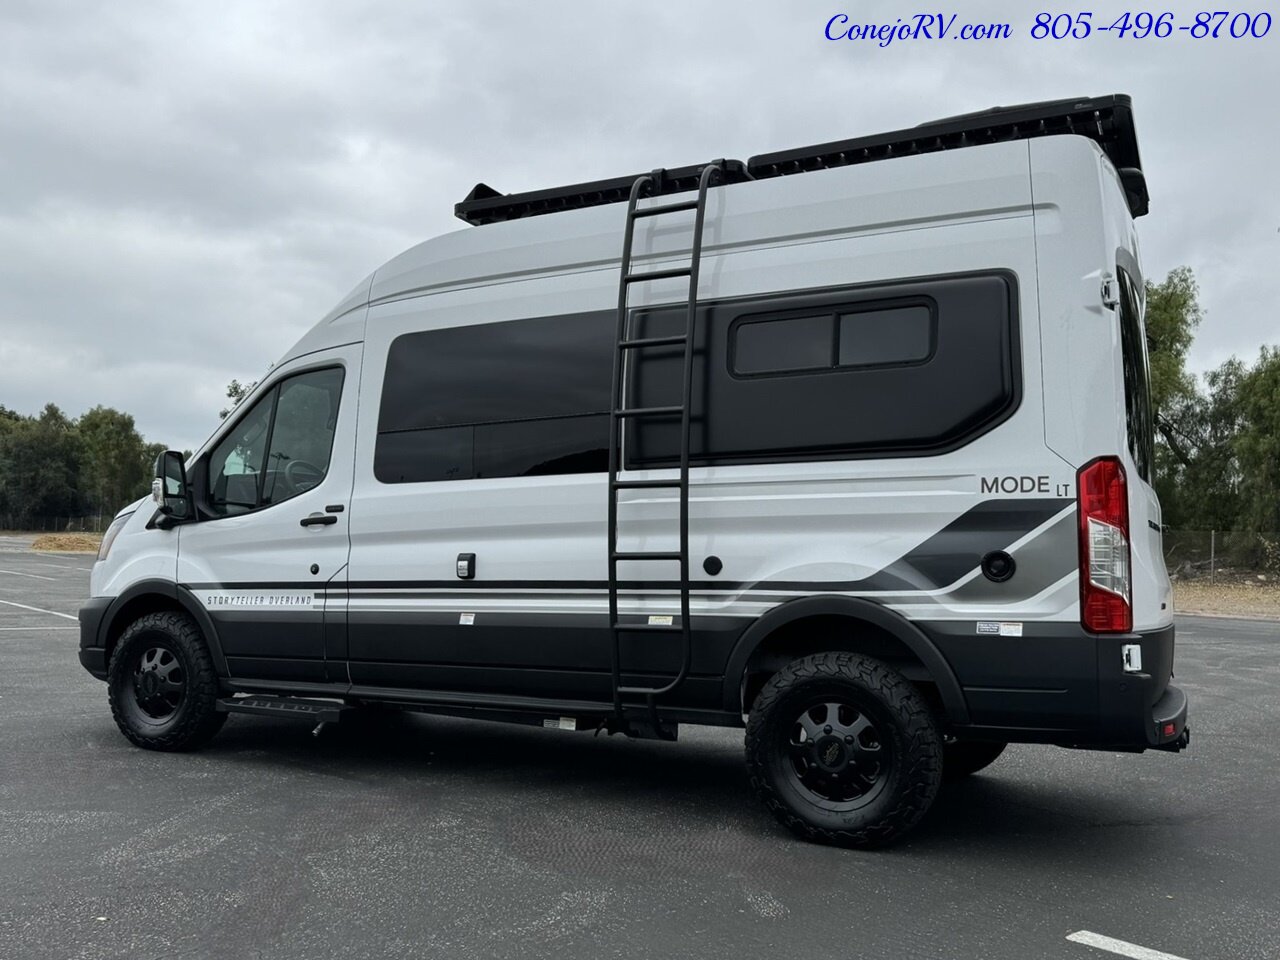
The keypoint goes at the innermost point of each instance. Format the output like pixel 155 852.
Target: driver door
pixel 270 543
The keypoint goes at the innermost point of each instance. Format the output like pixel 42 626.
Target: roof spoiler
pixel 1108 121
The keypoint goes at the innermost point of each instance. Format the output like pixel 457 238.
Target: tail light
pixel 1105 599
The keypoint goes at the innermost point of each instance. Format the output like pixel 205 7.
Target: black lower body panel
pixel 93 655
pixel 1056 683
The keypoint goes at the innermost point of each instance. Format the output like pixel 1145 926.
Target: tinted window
pixel 414 456
pixel 899 335
pixel 1137 379
pixel 516 370
pixel 511 399
pixel 894 368
pixel 769 346
pixel 843 337
pixel 280 447
pixel 534 448
pixel 921 366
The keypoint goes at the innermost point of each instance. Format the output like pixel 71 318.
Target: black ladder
pixel 652 185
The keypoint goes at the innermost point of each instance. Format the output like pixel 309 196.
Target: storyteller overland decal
pixel 257 600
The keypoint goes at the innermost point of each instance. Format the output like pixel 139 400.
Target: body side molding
pixel 853 608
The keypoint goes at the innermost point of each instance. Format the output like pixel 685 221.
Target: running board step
pixel 295 708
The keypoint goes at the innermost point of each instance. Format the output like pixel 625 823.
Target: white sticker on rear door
pixel 999 629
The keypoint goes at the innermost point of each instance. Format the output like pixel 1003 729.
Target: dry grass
pixel 1240 599
pixel 68 542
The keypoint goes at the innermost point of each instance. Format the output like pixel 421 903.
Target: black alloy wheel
pixel 838 755
pixel 843 749
pixel 162 685
pixel 159 685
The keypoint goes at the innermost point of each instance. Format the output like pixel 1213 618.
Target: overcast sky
pixel 186 187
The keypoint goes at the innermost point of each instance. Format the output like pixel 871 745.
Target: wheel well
pixel 816 634
pixel 134 608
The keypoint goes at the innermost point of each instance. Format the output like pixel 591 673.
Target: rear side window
pixel 1139 419
pixel 921 366
pixel 511 399
pixel 847 337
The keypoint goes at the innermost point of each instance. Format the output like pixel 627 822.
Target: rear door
pixel 272 543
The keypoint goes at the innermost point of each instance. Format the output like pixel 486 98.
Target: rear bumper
pixel 1169 728
pixel 93 656
pixel 1056 683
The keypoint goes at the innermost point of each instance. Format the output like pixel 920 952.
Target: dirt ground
pixel 1237 599
pixel 68 542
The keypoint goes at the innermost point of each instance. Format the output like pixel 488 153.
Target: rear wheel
pixel 963 757
pixel 162 686
pixel 842 749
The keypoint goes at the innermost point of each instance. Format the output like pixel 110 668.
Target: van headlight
pixel 113 531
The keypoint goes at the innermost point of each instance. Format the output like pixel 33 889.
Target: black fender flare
pixel 853 608
pixel 184 599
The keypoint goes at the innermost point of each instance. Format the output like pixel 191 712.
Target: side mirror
pixel 169 488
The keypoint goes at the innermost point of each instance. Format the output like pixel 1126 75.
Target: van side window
pixel 893 369
pixel 776 346
pixel 511 399
pixel 882 370
pixel 280 447
pixel 1139 420
pixel 862 337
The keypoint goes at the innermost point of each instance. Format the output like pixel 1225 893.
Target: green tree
pixel 40 468
pixel 115 471
pixel 236 391
pixel 1256 443
pixel 1172 315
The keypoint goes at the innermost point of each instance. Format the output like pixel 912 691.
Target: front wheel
pixel 842 749
pixel 161 684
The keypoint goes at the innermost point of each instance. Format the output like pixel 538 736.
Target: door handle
pixel 318 520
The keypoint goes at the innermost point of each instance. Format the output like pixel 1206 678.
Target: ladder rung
pixel 665 208
pixel 648 411
pixel 652 342
pixel 646 484
pixel 648 555
pixel 649 627
pixel 658 275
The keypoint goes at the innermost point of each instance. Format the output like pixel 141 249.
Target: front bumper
pixel 93 654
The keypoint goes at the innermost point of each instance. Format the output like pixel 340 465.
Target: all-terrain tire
pixel 963 757
pixel 179 710
pixel 901 720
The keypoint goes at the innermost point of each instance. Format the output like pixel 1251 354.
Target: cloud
pixel 185 188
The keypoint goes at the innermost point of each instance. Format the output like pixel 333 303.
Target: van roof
pixel 988 181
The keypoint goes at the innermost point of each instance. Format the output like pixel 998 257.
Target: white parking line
pixel 23 606
pixel 33 576
pixel 55 566
pixel 35 629
pixel 1123 948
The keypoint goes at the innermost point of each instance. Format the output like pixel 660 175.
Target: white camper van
pixel 850 445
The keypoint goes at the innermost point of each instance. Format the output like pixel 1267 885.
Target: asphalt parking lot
pixel 420 837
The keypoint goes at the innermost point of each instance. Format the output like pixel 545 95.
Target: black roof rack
pixel 486 205
pixel 1106 120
